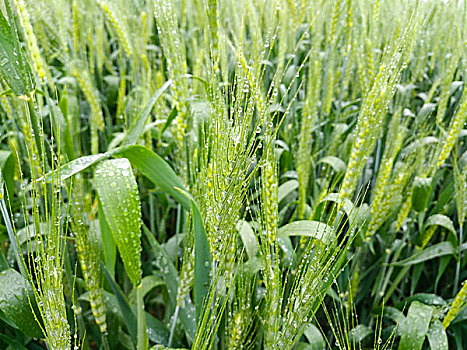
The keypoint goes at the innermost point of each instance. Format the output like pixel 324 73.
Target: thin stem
pixel 11 233
pixel 142 342
pixel 391 269
pixel 105 342
pixel 395 283
pixel 172 329
pixel 459 261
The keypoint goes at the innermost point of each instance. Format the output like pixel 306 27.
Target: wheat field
pixel 233 174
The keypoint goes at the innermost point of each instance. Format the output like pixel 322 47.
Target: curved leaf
pixel 74 167
pixel 393 314
pixel 286 188
pixel 155 169
pixel 309 228
pixel 420 193
pixel 314 337
pixel 441 220
pixel 118 193
pixel 415 326
pixel 337 164
pixel 437 250
pixel 428 299
pixel 14 303
pixel 137 128
pixel 248 238
pixel 148 283
pixel 437 336
pixel 151 165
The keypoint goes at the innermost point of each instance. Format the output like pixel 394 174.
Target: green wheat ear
pixel 116 23
pixel 279 112
pixel 269 247
pixel 82 75
pixel 45 236
pixel 459 302
pixel 88 255
pixel 40 66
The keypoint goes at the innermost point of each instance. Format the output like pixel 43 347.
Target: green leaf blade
pixel 437 336
pixel 137 128
pixel 118 193
pixel 437 250
pixel 155 169
pixel 415 326
pixel 14 303
pixel 309 228
pixel 15 73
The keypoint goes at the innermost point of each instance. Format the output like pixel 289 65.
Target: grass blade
pixel 437 250
pixel 309 228
pixel 127 313
pixel 415 326
pixel 118 193
pixel 14 303
pixel 14 70
pixel 137 128
pixel 149 163
pixel 437 336
pixel 170 276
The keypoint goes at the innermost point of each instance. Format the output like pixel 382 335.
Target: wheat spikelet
pixel 116 23
pixel 459 302
pixel 80 72
pixel 39 64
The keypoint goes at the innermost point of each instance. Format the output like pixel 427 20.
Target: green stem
pixel 391 269
pixel 459 261
pixel 12 234
pixel 105 342
pixel 142 343
pixel 405 269
pixel 395 283
pixel 172 329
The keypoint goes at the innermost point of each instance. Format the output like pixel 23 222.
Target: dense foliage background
pixel 235 174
